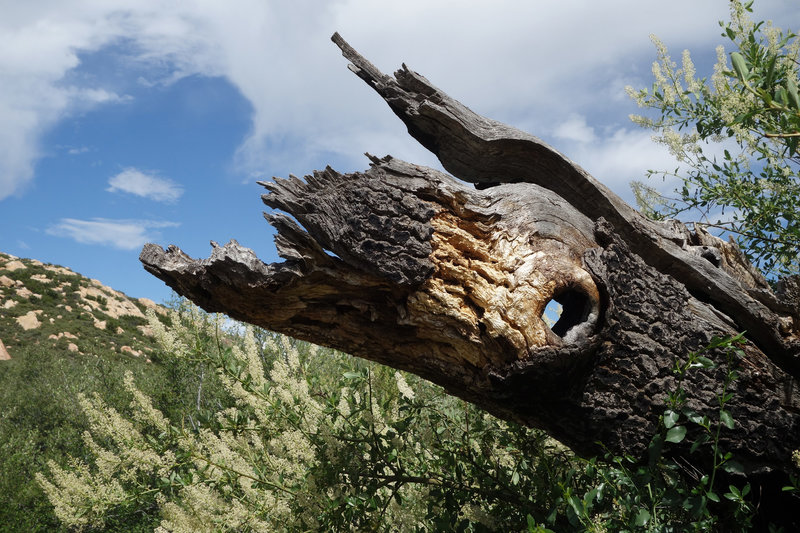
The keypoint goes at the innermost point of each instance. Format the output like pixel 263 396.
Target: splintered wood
pixel 406 266
pixel 489 291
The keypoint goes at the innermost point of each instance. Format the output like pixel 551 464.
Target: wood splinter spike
pixel 404 265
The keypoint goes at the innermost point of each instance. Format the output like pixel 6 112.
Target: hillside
pixel 63 335
pixel 52 306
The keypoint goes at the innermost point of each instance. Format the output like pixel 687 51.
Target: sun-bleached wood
pixel 407 266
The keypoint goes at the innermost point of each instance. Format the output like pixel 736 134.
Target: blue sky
pixel 125 122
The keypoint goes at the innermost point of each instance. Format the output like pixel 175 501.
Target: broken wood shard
pixel 407 256
pixel 404 265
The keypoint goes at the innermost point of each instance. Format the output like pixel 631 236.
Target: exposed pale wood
pixel 406 257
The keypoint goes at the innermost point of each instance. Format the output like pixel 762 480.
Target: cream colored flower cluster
pixel 674 86
pixel 288 449
pixel 81 494
pixel 244 479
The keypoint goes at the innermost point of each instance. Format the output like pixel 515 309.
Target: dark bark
pixel 486 152
pixel 406 266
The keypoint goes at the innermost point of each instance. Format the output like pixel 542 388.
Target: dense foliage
pixel 317 441
pixel 41 421
pixel 735 137
pixel 77 345
pixel 314 440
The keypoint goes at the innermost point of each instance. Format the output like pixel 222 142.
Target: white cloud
pixel 121 234
pixel 618 156
pixel 91 97
pixel 42 42
pixel 527 63
pixel 136 182
pixel 575 128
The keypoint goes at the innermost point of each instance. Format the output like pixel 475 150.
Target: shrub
pixel 310 439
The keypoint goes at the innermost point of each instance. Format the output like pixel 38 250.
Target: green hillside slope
pixel 64 334
pixel 54 307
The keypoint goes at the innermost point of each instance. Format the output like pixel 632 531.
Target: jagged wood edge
pixel 574 392
pixel 486 152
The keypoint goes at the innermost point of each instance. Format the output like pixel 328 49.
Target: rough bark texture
pixel 406 266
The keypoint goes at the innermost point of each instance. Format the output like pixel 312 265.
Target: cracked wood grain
pixel 407 266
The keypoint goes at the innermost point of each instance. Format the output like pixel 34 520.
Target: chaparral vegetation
pixel 235 428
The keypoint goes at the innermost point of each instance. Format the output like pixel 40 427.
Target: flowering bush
pixel 751 109
pixel 314 440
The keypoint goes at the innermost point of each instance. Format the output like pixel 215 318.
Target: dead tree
pixel 404 265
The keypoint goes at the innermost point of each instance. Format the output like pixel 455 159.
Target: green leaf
pixel 577 506
pixel 726 419
pixel 770 71
pixel 725 398
pixel 655 449
pixel 676 434
pixel 712 496
pixel 791 89
pixel 600 489
pixel 705 362
pixel 782 96
pixel 733 467
pixel 670 418
pixel 642 518
pixel 740 66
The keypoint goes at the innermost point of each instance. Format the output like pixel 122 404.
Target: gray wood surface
pixel 407 266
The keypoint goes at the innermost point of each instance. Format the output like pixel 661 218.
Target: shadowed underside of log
pixel 406 266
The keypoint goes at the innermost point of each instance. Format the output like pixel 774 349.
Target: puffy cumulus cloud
pixel 522 62
pixel 150 186
pixel 120 234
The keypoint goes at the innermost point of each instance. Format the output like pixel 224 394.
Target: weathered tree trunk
pixel 406 266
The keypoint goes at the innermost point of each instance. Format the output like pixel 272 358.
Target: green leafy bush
pixel 751 110
pixel 315 440
pixel 312 439
pixel 41 421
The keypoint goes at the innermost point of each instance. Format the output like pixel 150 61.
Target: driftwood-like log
pixel 404 265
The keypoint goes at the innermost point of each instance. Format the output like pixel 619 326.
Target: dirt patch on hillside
pixel 4 355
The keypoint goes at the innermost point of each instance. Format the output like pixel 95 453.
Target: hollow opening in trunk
pixel 567 309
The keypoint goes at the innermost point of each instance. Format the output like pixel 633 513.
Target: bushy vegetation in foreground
pixel 41 420
pixel 309 439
